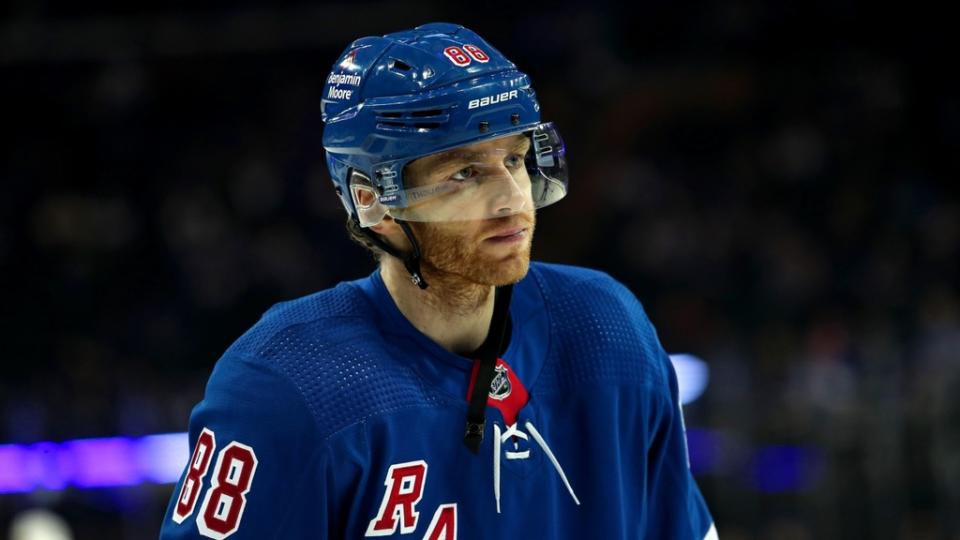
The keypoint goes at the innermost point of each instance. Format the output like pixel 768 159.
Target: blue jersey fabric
pixel 336 394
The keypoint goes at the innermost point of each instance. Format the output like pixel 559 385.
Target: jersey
pixel 334 417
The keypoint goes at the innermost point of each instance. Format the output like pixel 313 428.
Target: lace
pixel 501 437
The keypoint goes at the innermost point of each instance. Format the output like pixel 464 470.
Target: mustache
pixel 516 220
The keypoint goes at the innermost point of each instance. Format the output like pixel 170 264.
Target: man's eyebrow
pixel 459 156
pixel 520 142
pixel 451 156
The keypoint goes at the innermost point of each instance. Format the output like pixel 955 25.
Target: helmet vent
pixel 420 121
pixel 422 114
pixel 399 65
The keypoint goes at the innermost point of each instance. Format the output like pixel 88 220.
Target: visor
pixel 507 175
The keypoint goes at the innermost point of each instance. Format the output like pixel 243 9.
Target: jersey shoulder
pixel 569 291
pixel 558 277
pixel 341 306
pixel 330 346
pixel 599 330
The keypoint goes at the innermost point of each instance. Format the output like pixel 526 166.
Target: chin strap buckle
pixel 474 435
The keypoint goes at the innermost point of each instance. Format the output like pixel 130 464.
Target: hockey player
pixel 460 391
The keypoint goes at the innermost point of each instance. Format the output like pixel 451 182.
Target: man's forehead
pixel 474 150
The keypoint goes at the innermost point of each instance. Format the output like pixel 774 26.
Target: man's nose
pixel 508 196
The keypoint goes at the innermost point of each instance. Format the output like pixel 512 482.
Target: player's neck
pixel 453 312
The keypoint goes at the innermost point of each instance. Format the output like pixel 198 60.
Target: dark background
pixel 777 183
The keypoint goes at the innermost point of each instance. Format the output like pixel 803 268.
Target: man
pixel 459 391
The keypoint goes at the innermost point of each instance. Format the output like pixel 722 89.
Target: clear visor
pixel 504 176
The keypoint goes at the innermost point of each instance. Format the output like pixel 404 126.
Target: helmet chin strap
pixel 411 261
pixel 487 355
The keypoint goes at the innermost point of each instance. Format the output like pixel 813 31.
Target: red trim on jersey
pixel 510 406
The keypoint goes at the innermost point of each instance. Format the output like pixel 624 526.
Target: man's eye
pixel 514 161
pixel 463 174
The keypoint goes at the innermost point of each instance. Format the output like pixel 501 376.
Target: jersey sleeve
pixel 256 468
pixel 676 506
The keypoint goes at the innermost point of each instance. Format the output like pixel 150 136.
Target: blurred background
pixel 777 183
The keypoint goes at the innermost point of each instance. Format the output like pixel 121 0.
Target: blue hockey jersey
pixel 333 417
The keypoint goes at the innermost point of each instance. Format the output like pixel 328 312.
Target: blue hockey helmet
pixel 390 100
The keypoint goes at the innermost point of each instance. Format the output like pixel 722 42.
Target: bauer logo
pixel 491 100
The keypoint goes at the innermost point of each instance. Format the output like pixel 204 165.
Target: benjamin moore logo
pixel 336 79
pixel 344 78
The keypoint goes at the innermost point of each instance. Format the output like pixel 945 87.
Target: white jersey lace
pixel 501 437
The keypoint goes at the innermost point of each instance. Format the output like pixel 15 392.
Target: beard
pixel 460 260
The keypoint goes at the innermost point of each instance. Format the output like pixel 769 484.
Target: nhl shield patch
pixel 500 385
pixel 507 392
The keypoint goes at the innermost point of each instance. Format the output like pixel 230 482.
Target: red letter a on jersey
pixel 444 524
pixel 404 485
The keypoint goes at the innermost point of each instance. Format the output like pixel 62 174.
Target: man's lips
pixel 508 235
pixel 508 232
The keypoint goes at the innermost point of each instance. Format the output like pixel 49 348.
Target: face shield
pixel 507 175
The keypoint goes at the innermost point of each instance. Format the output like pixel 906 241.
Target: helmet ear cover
pixel 366 200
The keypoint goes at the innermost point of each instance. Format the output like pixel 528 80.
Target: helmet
pixel 390 100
